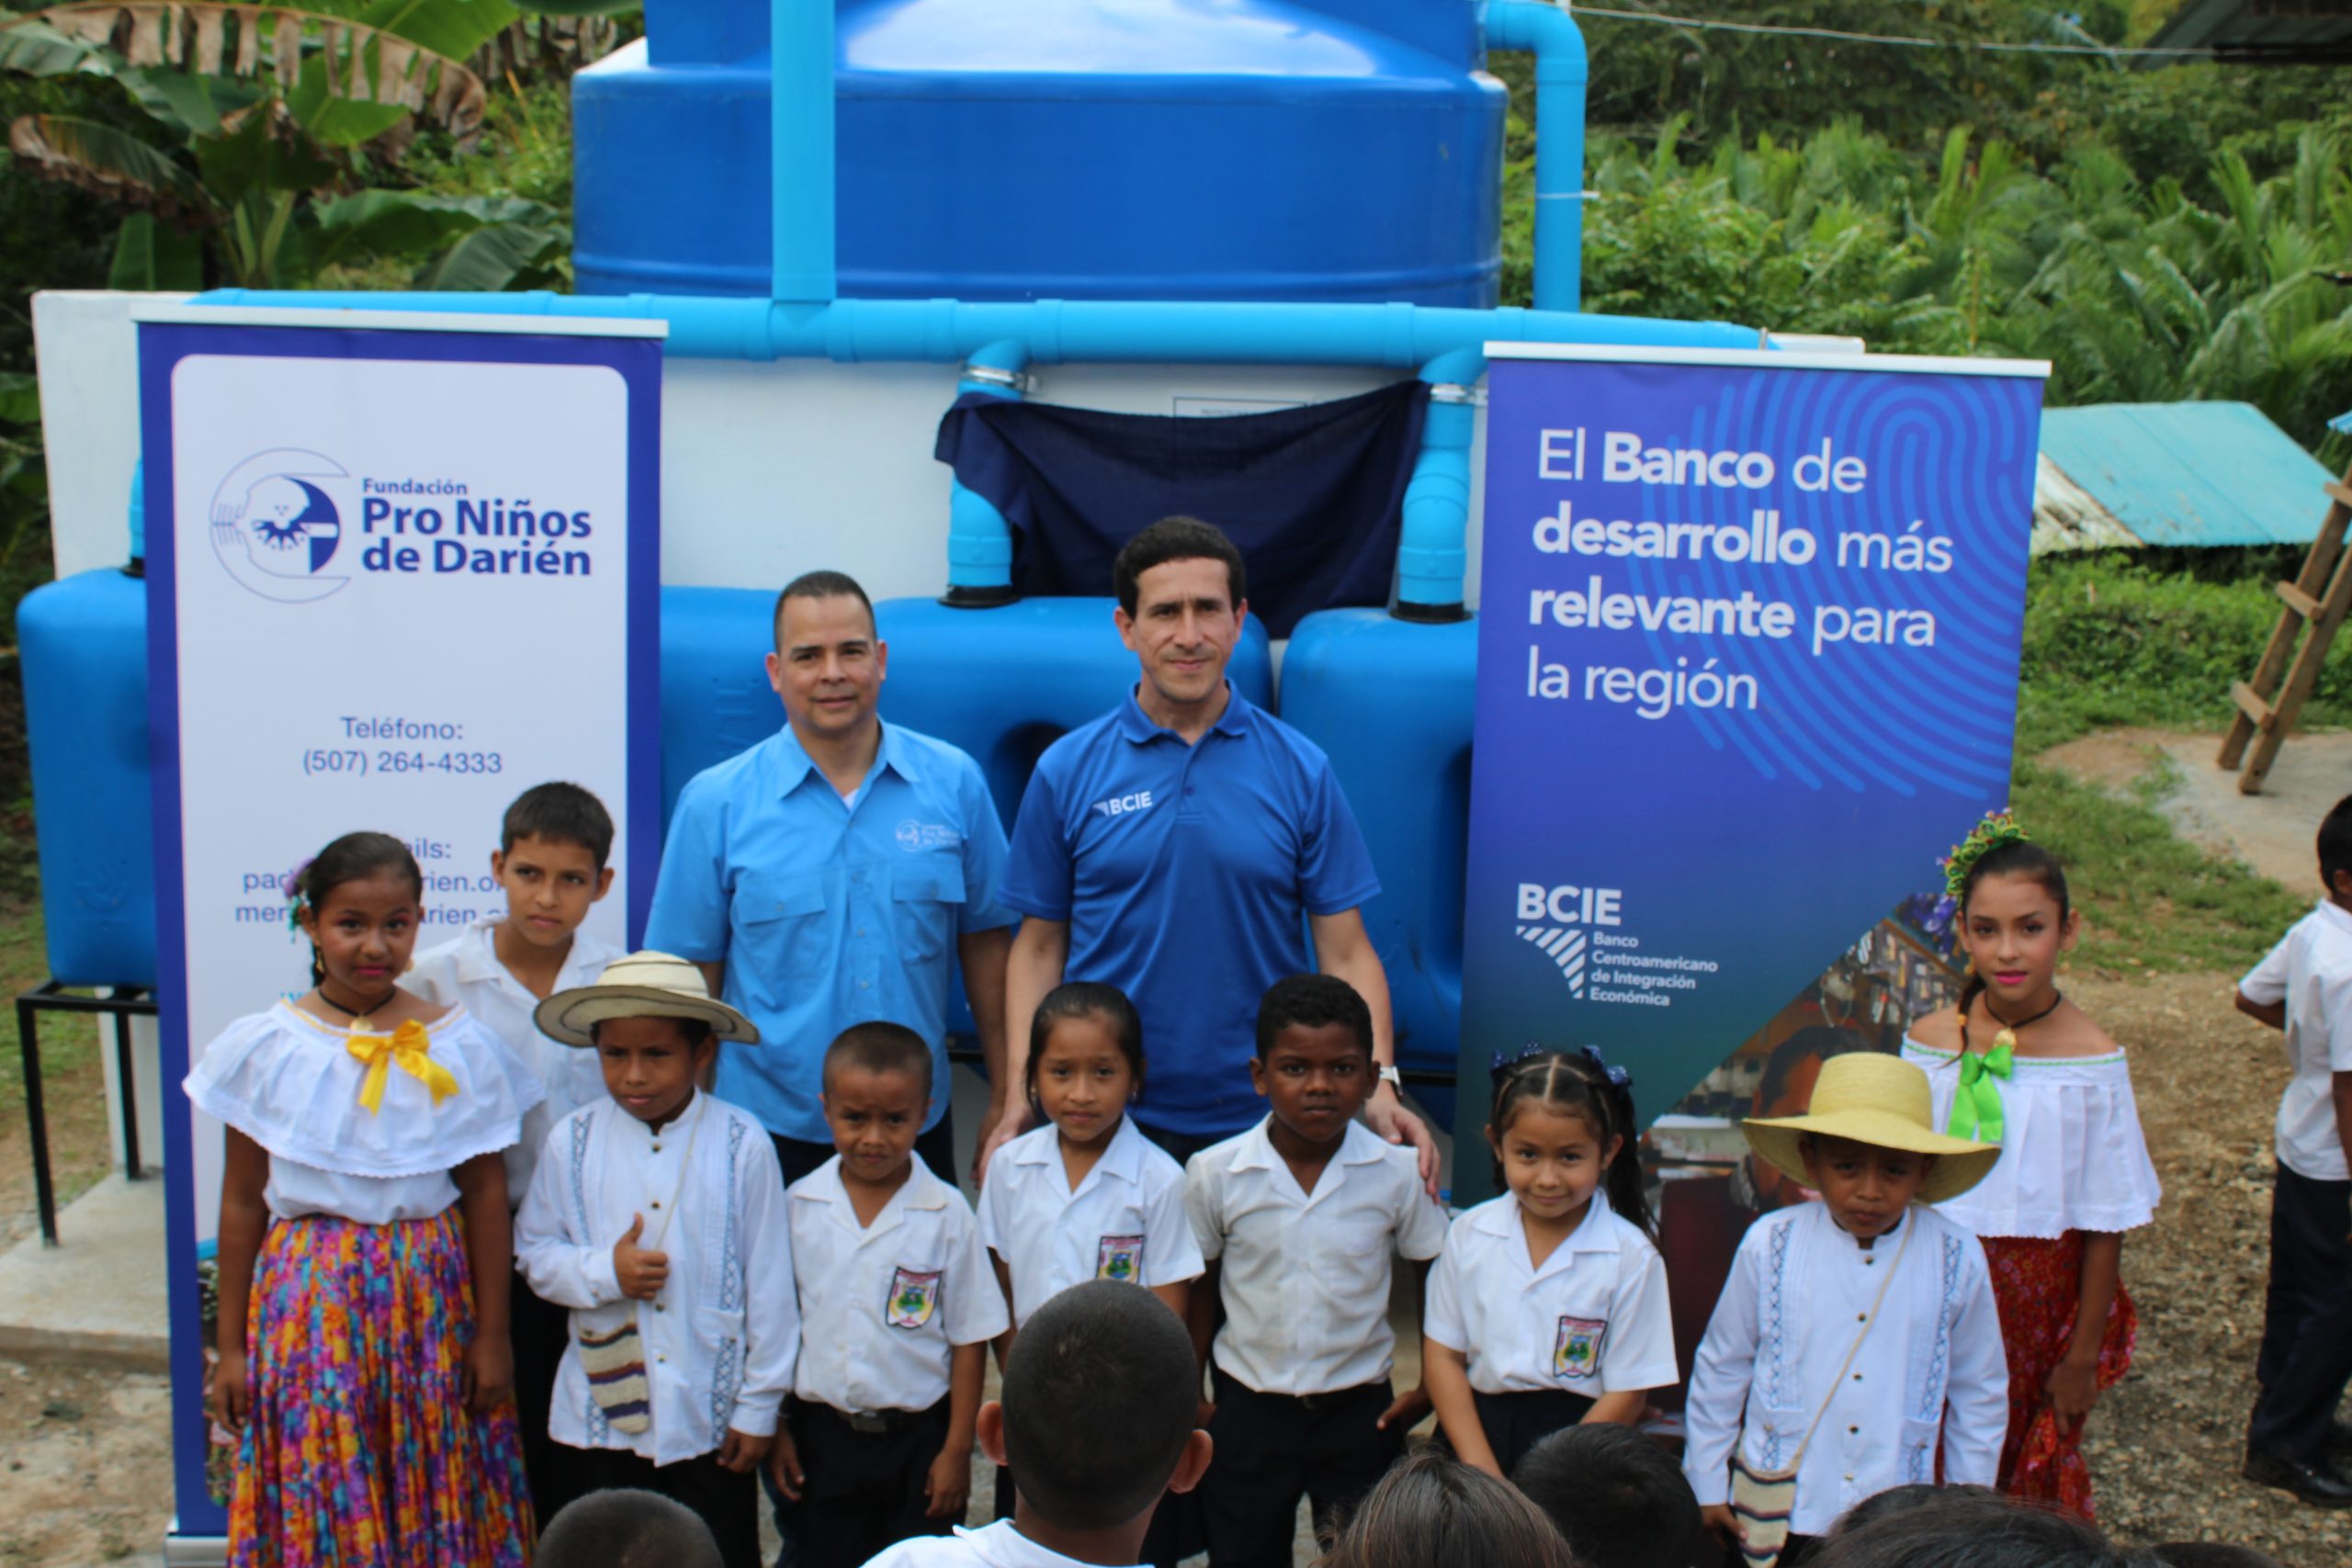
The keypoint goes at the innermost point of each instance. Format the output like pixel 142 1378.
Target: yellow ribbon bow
pixel 409 1046
pixel 1976 1106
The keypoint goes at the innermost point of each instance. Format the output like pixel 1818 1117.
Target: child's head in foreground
pixel 1313 1062
pixel 626 1529
pixel 655 1026
pixel 1868 1146
pixel 876 1096
pixel 1432 1511
pixel 1085 1060
pixel 1097 1417
pixel 1619 1499
pixel 2336 852
pixel 1562 1128
pixel 550 861
pixel 1967 1529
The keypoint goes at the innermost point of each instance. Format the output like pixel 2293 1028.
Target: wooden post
pixel 2312 606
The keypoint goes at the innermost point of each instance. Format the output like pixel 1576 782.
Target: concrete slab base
pixel 98 1297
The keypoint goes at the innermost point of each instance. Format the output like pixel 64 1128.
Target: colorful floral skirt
pixel 358 1451
pixel 2037 1285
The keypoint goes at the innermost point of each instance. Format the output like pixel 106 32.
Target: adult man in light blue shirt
pixel 829 876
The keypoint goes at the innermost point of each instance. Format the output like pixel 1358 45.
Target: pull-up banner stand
pixel 1748 665
pixel 401 568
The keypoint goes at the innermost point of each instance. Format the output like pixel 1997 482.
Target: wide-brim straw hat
pixel 643 984
pixel 1880 1099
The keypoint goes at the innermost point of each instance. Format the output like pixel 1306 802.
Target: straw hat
pixel 1882 1101
pixel 643 984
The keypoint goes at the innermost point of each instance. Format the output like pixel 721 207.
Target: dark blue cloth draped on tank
pixel 1311 496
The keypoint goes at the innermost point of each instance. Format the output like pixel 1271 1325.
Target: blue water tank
pixel 1407 778
pixel 1318 149
pixel 84 643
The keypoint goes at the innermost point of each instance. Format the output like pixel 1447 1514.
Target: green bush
pixel 2110 640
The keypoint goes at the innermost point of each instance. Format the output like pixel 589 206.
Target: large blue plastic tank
pixel 1406 775
pixel 1332 150
pixel 84 647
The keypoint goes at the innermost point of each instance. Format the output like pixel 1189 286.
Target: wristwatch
pixel 1392 1077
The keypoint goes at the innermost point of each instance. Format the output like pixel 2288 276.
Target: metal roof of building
pixel 2206 473
pixel 2284 32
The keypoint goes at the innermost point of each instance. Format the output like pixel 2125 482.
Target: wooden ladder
pixel 2318 600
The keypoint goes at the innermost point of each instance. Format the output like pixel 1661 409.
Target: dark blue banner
pixel 1747 664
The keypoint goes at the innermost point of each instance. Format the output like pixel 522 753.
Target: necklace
pixel 358 1016
pixel 2008 1035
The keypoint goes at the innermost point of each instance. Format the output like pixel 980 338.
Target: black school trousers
pixel 728 1502
pixel 1273 1448
pixel 1515 1423
pixel 862 1490
pixel 539 1330
pixel 2306 1355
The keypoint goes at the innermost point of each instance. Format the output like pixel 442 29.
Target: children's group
pixel 522 1228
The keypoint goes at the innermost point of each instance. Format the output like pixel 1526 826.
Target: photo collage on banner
pixel 401 568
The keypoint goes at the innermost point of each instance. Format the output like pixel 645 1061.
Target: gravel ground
pixel 2165 1443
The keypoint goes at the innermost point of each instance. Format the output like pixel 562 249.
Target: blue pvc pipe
pixel 1432 551
pixel 1560 71
pixel 979 541
pixel 800 131
pixel 1400 337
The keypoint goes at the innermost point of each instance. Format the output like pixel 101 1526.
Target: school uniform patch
pixel 913 1298
pixel 1576 1353
pixel 1119 1257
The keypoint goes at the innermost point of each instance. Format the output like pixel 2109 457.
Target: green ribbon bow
pixel 1976 1106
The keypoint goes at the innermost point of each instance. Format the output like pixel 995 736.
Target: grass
pixel 2151 901
pixel 69 1049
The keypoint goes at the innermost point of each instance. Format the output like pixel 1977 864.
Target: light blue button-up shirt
pixel 828 913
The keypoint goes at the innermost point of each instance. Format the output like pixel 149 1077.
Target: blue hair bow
pixel 1502 1064
pixel 1618 1077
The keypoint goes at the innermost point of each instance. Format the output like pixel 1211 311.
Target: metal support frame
pixel 128 1002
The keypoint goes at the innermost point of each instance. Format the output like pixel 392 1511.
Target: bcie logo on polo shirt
pixel 1124 805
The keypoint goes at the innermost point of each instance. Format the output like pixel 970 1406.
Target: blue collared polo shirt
pixel 1186 873
pixel 829 914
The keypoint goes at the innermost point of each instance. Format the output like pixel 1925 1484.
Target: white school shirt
pixel 466 970
pixel 1593 1320
pixel 994 1546
pixel 288 1081
pixel 2310 971
pixel 2073 1157
pixel 883 1306
pixel 720 1338
pixel 1125 1220
pixel 1932 1366
pixel 1305 1274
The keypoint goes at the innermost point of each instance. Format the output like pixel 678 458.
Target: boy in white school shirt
pixel 1859 1333
pixel 550 864
pixel 2305 986
pixel 1299 1219
pixel 657 1216
pixel 1097 1422
pixel 898 1304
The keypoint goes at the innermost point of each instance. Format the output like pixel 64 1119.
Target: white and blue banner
pixel 401 568
pixel 1748 665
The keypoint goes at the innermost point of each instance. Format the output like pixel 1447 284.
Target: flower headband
pixel 1617 1075
pixel 1997 828
pixel 292 887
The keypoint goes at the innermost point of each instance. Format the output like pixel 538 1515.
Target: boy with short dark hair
pixel 2305 986
pixel 1096 1421
pixel 898 1302
pixel 657 1216
pixel 550 866
pixel 1299 1219
pixel 1618 1497
pixel 626 1527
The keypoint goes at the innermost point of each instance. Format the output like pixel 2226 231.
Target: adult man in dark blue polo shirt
pixel 1191 850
